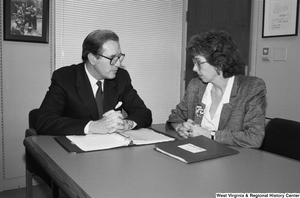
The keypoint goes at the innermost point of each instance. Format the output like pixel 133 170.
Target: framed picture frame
pixel 280 18
pixel 26 20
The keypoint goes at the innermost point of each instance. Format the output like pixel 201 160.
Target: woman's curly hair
pixel 219 51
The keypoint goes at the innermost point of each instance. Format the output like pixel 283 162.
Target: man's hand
pixel 114 121
pixel 98 126
pixel 111 122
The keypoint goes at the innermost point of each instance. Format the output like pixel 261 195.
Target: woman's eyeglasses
pixel 197 62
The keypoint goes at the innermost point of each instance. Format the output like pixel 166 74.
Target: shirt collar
pixel 226 96
pixel 92 80
pixel 227 93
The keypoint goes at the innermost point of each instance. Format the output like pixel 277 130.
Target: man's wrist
pixel 129 124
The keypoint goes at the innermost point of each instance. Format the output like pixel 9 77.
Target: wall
pixel 26 71
pixel 25 81
pixel 281 77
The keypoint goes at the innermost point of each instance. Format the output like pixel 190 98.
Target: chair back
pixel 282 137
pixel 32 166
pixel 32 123
pixel 32 118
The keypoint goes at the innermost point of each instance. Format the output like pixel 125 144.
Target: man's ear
pixel 91 58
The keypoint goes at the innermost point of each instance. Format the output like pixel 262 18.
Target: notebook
pixel 93 142
pixel 194 149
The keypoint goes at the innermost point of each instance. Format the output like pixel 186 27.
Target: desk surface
pixel 143 172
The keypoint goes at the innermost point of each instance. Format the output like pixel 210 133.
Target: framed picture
pixel 280 18
pixel 26 20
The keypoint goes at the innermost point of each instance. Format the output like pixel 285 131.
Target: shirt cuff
pixel 134 124
pixel 87 128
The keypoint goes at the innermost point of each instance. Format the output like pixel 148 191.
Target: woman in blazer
pixel 220 104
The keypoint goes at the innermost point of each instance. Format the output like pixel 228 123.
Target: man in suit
pixel 70 107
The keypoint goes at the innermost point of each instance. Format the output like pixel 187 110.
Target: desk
pixel 143 172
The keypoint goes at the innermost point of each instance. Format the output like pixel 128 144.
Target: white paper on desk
pixel 100 142
pixel 146 136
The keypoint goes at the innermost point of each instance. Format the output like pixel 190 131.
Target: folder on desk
pixel 93 142
pixel 194 149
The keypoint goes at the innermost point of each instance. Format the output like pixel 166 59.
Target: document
pixel 92 142
pixel 194 149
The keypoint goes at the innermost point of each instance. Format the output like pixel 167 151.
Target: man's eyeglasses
pixel 114 59
pixel 197 62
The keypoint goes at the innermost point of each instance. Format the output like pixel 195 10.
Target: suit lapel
pixel 198 117
pixel 110 95
pixel 85 91
pixel 227 108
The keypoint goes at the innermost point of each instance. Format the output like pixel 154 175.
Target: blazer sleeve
pixel 246 121
pixel 185 109
pixel 51 117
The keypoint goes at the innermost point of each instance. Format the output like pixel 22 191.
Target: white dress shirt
pixel 209 122
pixel 95 87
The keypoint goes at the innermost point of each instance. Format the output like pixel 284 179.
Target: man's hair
pixel 93 43
pixel 219 51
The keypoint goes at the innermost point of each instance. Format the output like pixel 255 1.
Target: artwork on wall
pixel 280 18
pixel 26 20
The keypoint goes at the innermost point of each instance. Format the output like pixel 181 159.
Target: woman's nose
pixel 195 68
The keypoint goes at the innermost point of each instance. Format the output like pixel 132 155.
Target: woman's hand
pixel 185 129
pixel 198 130
pixel 190 129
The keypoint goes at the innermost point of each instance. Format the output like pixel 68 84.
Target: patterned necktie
pixel 99 99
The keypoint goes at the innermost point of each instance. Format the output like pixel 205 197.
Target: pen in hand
pixel 116 107
pixel 119 105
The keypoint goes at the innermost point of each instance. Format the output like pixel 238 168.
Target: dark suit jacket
pixel 70 104
pixel 242 120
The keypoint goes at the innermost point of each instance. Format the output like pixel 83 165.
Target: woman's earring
pixel 217 70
